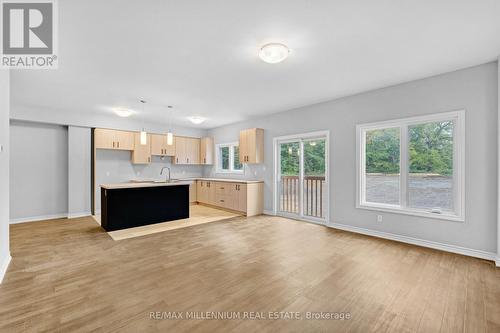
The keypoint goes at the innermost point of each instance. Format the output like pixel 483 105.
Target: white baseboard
pixel 420 242
pixel 497 262
pixel 268 212
pixel 76 215
pixel 38 218
pixel 3 266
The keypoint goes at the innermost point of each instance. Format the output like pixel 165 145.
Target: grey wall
pixel 473 89
pixel 39 171
pixel 498 166
pixel 79 168
pixel 4 171
pixel 114 166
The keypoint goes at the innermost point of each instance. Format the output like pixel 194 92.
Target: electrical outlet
pixel 379 218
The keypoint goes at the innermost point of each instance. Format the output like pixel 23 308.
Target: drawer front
pixel 223 188
pixel 224 201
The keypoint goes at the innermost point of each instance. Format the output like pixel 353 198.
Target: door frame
pixel 300 137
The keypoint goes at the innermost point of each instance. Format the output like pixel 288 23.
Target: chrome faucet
pixel 161 173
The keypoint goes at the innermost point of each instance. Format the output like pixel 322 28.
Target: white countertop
pixel 242 181
pixel 145 184
pixel 183 181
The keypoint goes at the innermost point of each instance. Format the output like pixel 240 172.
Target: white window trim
pixel 458 165
pixel 231 146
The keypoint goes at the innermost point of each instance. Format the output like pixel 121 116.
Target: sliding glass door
pixel 314 181
pixel 289 180
pixel 302 179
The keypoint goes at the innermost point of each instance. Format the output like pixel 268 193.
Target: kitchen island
pixel 128 205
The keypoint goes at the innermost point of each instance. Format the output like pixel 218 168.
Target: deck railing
pixel 313 196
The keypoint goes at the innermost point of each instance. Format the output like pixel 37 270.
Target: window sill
pixel 222 172
pixel 412 212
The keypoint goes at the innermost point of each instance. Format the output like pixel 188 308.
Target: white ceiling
pixel 201 56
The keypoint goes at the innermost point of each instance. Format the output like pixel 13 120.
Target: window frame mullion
pixel 403 166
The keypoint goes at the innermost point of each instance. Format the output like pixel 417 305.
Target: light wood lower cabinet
pixel 193 193
pixel 241 197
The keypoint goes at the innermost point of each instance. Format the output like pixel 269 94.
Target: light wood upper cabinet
pixel 207 151
pixel 141 153
pixel 113 139
pixel 187 150
pixel 251 146
pixel 159 146
pixel 193 150
pixel 180 150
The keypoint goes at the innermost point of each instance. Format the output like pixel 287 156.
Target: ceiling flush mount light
pixel 196 120
pixel 273 53
pixel 122 112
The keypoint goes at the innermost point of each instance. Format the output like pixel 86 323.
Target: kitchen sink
pixel 166 181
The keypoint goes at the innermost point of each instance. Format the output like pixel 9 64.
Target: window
pixel 228 158
pixel 413 166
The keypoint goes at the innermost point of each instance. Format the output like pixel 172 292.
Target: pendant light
pixel 144 134
pixel 170 135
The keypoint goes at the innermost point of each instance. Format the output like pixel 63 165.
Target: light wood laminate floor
pixel 198 214
pixel 69 275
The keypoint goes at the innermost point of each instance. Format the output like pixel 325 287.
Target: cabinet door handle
pixel 118 143
pixel 222 201
pixel 177 160
pixel 113 144
pixel 187 160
